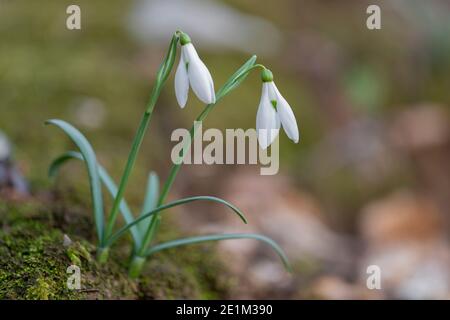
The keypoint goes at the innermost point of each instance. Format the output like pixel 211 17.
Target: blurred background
pixel 368 184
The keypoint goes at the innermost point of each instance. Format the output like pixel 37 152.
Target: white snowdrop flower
pixel 192 72
pixel 267 119
pixel 274 112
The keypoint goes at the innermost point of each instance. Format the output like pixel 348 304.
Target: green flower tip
pixel 266 75
pixel 184 38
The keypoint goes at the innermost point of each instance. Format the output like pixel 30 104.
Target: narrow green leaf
pixel 107 181
pixel 218 237
pixel 150 200
pixel 247 65
pixel 236 78
pixel 91 164
pixel 124 229
pixel 59 161
pixel 170 59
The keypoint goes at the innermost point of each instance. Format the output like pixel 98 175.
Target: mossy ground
pixel 34 261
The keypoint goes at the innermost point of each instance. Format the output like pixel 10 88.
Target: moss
pixel 42 290
pixel 34 261
pixel 184 273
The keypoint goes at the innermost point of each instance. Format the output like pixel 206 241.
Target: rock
pixel 400 217
pixel 335 288
pixel 66 241
pixel 405 239
pixel 11 179
pixel 422 132
pixel 5 147
pixel 421 127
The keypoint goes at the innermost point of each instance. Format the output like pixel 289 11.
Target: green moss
pixel 34 262
pixel 184 273
pixel 42 290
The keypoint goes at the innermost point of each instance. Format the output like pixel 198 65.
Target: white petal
pixel 287 116
pixel 199 76
pixel 272 91
pixel 181 83
pixel 267 121
pixel 189 53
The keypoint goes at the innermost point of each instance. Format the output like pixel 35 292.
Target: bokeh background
pixel 369 182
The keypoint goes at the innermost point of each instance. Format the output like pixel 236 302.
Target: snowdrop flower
pixel 192 72
pixel 273 112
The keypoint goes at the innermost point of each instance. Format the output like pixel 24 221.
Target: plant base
pixel 102 255
pixel 136 267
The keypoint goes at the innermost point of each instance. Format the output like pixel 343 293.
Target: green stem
pixel 128 168
pixel 161 77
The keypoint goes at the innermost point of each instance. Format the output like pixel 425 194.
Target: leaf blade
pixel 91 164
pixel 107 181
pixel 121 231
pixel 150 200
pixel 219 237
pixel 232 82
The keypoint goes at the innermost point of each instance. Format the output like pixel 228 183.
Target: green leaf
pixel 169 59
pixel 243 69
pixel 150 200
pixel 237 78
pixel 218 237
pixel 107 181
pixel 121 231
pixel 59 161
pixel 91 164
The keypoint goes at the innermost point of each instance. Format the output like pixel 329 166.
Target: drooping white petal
pixel 181 83
pixel 189 53
pixel 272 92
pixel 211 88
pixel 199 76
pixel 267 120
pixel 286 116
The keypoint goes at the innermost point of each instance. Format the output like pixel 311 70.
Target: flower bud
pixel 184 39
pixel 266 75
